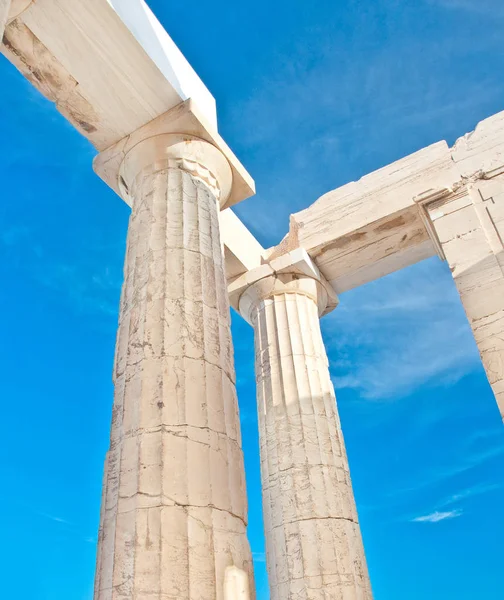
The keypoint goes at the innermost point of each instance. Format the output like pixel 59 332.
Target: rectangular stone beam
pixel 369 228
pixel 242 252
pixel 372 227
pixel 111 70
pixel 109 66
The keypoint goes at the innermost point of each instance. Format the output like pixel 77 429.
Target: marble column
pixel 313 540
pixel 174 510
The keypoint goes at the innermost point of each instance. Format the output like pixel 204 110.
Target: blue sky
pixel 311 95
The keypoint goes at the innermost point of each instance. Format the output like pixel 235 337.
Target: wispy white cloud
pixel 471 492
pixel 407 330
pixel 52 518
pixel 447 482
pixel 87 281
pixel 443 511
pixel 68 526
pixel 437 516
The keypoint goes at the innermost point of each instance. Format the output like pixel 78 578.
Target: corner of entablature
pixel 435 204
pixel 426 201
pixel 432 206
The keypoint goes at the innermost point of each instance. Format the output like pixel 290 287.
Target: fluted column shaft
pixel 173 519
pixel 314 545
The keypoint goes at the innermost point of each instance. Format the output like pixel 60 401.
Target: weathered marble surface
pixel 368 228
pixel 174 509
pixel 313 540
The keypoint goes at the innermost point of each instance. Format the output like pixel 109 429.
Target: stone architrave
pixel 174 510
pixel 313 539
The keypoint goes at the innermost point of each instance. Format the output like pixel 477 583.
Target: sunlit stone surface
pixel 314 545
pixel 174 503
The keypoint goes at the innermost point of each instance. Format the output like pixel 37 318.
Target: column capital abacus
pixel 183 136
pixel 193 155
pixel 292 273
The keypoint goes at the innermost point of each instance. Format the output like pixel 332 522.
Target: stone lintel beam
pixel 368 228
pixel 108 65
pixel 115 74
pixel 372 227
pixel 242 252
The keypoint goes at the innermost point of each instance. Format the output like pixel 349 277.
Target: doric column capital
pixel 177 151
pixel 292 273
pixel 183 139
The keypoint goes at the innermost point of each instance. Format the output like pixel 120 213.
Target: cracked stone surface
pixel 314 545
pixel 174 512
